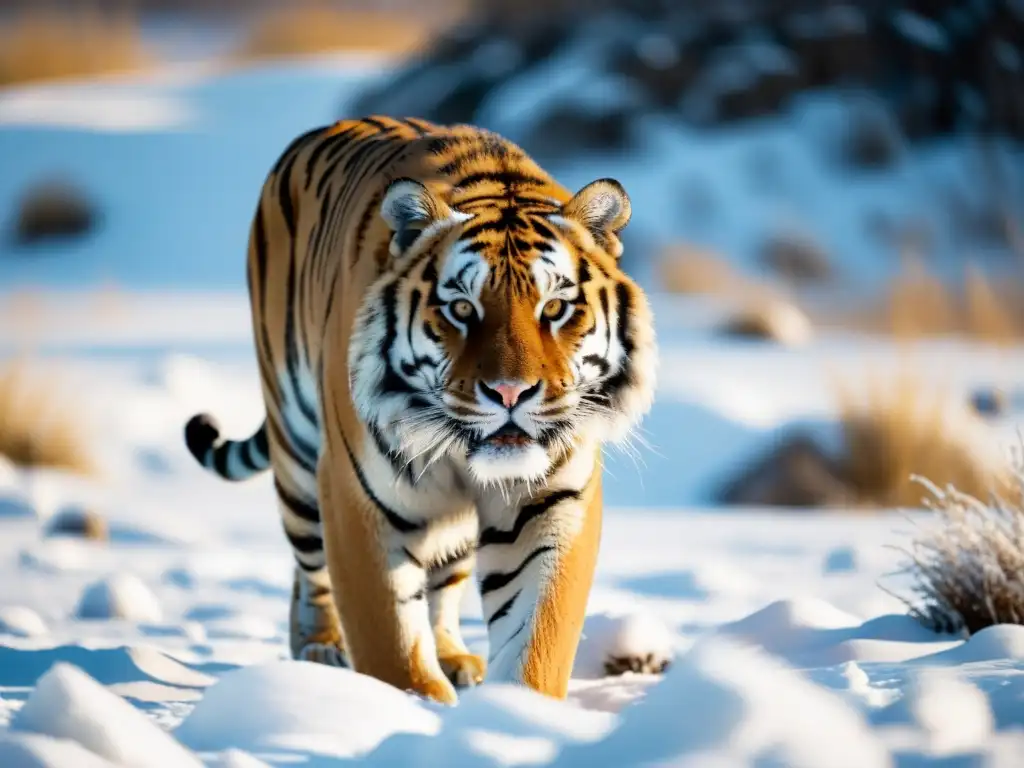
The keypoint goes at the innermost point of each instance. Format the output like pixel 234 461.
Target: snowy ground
pixel 789 648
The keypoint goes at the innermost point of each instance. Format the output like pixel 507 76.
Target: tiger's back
pixel 420 409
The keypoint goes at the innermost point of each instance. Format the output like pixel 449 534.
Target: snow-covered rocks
pixel 122 596
pixel 300 707
pixel 617 644
pixel 68 704
pixel 77 522
pixel 20 621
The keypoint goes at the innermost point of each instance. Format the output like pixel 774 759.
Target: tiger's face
pixel 502 335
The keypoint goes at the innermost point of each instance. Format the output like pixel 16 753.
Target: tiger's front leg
pixel 379 586
pixel 536 565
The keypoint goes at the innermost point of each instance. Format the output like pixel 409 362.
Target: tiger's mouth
pixel 508 436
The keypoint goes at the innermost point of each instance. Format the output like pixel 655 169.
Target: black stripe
pixel 310 567
pixel 503 611
pixel 412 558
pixel 498 536
pixel 364 223
pixel 598 362
pixel 246 457
pixel 494 581
pixel 307 545
pixel 419 594
pixel 613 384
pixel 300 508
pixel 327 143
pixel 284 194
pixel 395 520
pixel 294 447
pixel 452 579
pixel 260 442
pixel 220 459
pixel 505 178
pixel 293 148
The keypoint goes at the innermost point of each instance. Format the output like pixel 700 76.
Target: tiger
pixel 445 342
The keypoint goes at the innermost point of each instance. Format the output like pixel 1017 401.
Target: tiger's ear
pixel 409 207
pixel 602 207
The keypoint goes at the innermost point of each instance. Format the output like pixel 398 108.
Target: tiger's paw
pixel 323 653
pixel 464 669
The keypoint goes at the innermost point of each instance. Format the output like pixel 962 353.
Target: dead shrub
pixel 696 272
pixel 53 209
pixel 312 29
pixel 779 321
pixel 900 429
pixel 967 568
pixel 37 427
pixel 918 304
pixel 40 45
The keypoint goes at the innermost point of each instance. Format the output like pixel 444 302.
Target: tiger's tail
pixel 234 460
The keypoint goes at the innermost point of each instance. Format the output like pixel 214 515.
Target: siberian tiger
pixel 445 340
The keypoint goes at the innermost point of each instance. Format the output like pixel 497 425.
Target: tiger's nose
pixel 509 393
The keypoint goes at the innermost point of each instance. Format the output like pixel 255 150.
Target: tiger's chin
pixel 507 456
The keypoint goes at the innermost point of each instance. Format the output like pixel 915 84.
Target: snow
pixel 302 708
pixel 782 633
pixel 68 704
pixel 122 596
pixel 20 621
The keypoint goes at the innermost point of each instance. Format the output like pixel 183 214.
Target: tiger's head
pixel 504 331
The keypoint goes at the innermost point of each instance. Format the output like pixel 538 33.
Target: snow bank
pixel 30 750
pixel 20 621
pixel 122 596
pixel 68 704
pixel 301 708
pixel 727 704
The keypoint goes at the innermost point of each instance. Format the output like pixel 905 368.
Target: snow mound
pixel 20 621
pixel 13 503
pixel 786 624
pixel 122 596
pixel 953 714
pixel 616 644
pixel 302 708
pixel 1001 641
pixel 498 725
pixel 108 666
pixel 235 758
pixel 727 704
pixel 30 750
pixel 68 704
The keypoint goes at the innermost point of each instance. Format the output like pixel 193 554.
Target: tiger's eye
pixel 462 310
pixel 553 309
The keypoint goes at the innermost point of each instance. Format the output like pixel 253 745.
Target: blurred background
pixel 816 184
pixel 828 217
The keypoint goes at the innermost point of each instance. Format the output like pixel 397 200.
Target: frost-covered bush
pixel 968 565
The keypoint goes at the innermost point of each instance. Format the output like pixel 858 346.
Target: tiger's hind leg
pixel 445 588
pixel 315 632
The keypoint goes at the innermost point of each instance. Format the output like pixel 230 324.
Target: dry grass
pixel 696 272
pixel 901 429
pixel 917 304
pixel 312 29
pixel 40 45
pixel 968 567
pixel 38 428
